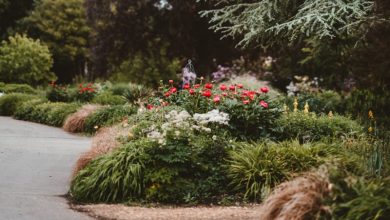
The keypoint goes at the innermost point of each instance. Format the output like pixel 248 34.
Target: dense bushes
pixel 10 103
pixel 50 113
pixel 108 116
pixel 25 60
pixel 309 127
pixel 108 98
pixel 17 88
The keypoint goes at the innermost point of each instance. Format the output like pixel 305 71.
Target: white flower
pixel 177 133
pixel 213 116
pixel 214 137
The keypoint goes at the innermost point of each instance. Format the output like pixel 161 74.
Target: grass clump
pixel 108 116
pixel 75 122
pixel 312 127
pixel 11 102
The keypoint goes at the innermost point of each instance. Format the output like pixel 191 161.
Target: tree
pixel 24 60
pixel 61 24
pixel 10 12
pixel 323 35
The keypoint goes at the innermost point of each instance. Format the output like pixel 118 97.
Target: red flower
pixel 186 86
pixel 217 99
pixel 170 81
pixel 191 91
pixel 149 107
pixel 89 84
pixel 264 104
pixel 240 86
pixel 232 88
pixel 173 90
pixel 208 86
pixel 246 102
pixel 245 93
pixel 223 87
pixel 224 94
pixel 207 93
pixel 196 86
pixel 264 89
pixel 167 94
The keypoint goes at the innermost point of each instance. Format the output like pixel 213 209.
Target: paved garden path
pixel 35 165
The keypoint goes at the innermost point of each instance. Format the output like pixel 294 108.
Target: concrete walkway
pixel 35 166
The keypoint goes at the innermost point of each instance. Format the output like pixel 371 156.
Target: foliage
pixel 148 67
pixel 252 113
pixel 114 177
pixel 86 92
pixel 266 22
pixel 17 88
pixel 108 116
pixel 25 110
pixel 50 113
pixel 11 12
pixel 57 93
pixel 61 24
pixel 309 126
pixel 24 60
pixel 11 102
pixel 108 98
pixel 180 161
pixel 135 93
pixel 321 102
pixel 355 197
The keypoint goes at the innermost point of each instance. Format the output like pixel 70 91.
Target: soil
pixel 122 212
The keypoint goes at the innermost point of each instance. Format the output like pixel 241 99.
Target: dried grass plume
pixel 298 199
pixel 75 122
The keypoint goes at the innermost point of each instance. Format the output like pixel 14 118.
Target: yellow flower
pixel 295 105
pixel 370 115
pixel 306 110
pixel 330 114
pixel 370 129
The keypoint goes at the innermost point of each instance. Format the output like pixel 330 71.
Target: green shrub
pixel 135 93
pixel 50 113
pixel 108 116
pixel 57 93
pixel 107 98
pixel 179 161
pixel 119 88
pixel 355 197
pixel 11 102
pixel 25 111
pixel 24 60
pixel 17 88
pixel 254 169
pixel 321 102
pixel 310 126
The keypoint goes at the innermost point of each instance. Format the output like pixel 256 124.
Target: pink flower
pixel 246 102
pixel 208 86
pixel 224 94
pixel 264 90
pixel 264 104
pixel 173 90
pixel 217 99
pixel 191 91
pixel 232 88
pixel 223 87
pixel 170 81
pixel 196 86
pixel 207 93
pixel 240 86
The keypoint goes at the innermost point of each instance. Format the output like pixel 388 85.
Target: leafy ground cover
pixel 221 144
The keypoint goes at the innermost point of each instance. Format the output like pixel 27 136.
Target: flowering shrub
pixel 57 93
pixel 179 160
pixel 252 113
pixel 86 92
